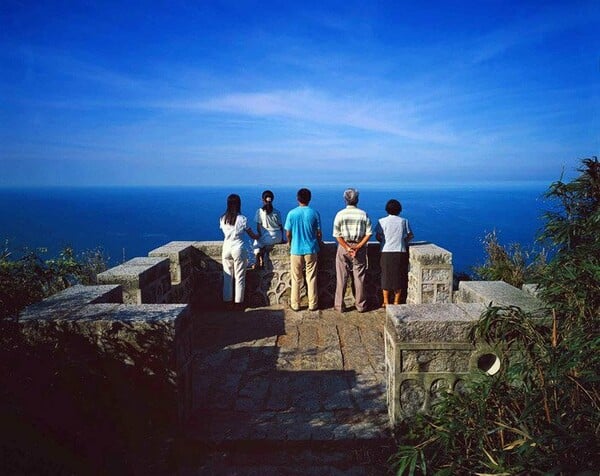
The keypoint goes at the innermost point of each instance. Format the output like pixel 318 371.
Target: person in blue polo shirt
pixel 303 231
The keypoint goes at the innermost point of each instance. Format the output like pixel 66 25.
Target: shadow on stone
pixel 70 405
pixel 257 390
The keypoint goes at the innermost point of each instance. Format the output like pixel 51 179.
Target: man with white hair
pixel 352 230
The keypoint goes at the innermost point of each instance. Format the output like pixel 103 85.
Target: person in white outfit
pixel 269 227
pixel 234 255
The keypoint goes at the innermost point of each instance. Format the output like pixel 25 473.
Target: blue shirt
pixel 304 224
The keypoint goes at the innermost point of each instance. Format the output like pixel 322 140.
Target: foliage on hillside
pixel 512 264
pixel 541 413
pixel 30 278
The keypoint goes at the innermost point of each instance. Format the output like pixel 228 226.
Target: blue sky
pixel 311 93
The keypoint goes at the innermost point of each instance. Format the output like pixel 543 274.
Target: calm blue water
pixel 131 222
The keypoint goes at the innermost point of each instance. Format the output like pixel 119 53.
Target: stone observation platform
pixel 308 382
pixel 275 374
pixel 271 391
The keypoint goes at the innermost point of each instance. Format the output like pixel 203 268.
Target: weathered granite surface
pixel 273 374
pixel 101 377
pixel 267 376
pixel 263 376
pixel 430 274
pixel 430 278
pixel 427 351
pixel 531 289
pixel 497 293
pixel 70 300
pixel 184 265
pixel 180 255
pixel 145 280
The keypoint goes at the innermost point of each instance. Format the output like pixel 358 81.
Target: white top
pixel 234 233
pixel 392 231
pixel 270 222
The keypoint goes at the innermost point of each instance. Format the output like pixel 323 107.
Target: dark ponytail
pixel 268 197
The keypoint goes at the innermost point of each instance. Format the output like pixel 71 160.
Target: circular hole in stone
pixel 488 363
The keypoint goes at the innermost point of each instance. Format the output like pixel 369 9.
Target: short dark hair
pixel 393 207
pixel 304 196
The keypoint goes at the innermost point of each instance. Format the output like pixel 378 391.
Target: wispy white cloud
pixel 307 105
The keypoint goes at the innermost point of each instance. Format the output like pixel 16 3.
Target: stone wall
pixel 427 350
pixel 271 285
pixel 182 271
pixel 110 373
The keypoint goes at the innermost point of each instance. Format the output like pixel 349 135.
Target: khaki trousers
pixel 309 263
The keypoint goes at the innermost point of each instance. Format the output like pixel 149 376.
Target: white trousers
pixel 235 260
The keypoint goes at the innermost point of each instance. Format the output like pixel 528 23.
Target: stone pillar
pixel 427 352
pixel 208 290
pixel 430 274
pixel 144 351
pixel 183 267
pixel 144 280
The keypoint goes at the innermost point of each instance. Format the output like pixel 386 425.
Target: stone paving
pixel 270 376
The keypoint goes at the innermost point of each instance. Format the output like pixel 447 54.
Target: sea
pixel 130 222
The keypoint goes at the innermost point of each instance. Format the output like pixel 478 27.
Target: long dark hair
pixel 268 197
pixel 234 208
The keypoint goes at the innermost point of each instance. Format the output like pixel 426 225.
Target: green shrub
pixel 513 264
pixel 541 413
pixel 29 278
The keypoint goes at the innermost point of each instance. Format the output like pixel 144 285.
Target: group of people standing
pixel 352 229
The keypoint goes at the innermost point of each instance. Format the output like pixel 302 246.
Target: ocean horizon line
pixel 416 186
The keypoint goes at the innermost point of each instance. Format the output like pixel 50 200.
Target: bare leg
pixel 386 297
pixel 397 296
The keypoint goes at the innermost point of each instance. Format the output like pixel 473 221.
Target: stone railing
pixel 427 346
pixel 184 270
pixel 428 352
pixel 112 371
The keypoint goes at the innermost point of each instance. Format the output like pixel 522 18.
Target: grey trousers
pixel 343 264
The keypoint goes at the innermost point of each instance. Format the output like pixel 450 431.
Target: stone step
pixel 368 458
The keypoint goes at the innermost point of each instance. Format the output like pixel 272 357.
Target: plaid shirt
pixel 352 224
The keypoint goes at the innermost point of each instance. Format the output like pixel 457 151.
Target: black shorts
pixel 394 270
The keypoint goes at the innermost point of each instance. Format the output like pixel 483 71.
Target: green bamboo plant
pixel 540 414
